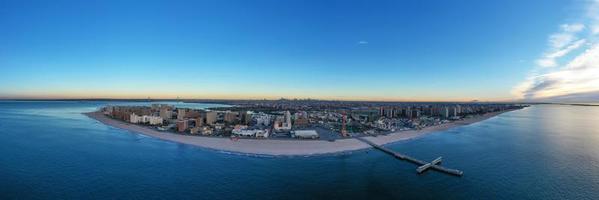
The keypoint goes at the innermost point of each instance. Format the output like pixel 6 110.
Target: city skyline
pixel 333 50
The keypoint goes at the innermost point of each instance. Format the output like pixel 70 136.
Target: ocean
pixel 49 150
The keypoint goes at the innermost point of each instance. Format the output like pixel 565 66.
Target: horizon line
pixel 251 99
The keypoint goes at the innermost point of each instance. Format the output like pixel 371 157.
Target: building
pixel 199 122
pixel 301 122
pixel 206 130
pixel 305 134
pixel 155 120
pixel 445 112
pixel 108 110
pixel 211 118
pixel 262 133
pixel 195 130
pixel 181 113
pixel 262 119
pixel 283 123
pixel 246 117
pixel 182 125
pixel 231 117
pixel 193 114
pixel 165 113
pixel 135 119
pixel 241 130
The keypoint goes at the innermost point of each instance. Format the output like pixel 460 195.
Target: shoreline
pixel 266 147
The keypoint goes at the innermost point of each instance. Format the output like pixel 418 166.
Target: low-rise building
pixel 305 134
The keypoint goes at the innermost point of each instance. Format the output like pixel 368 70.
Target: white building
pixel 306 134
pixel 152 120
pixel 155 120
pixel 262 133
pixel 251 133
pixel 135 119
pixel 283 123
pixel 262 119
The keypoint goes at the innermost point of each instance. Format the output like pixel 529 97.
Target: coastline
pixel 285 147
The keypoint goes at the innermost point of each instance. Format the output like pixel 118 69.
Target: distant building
pixel 445 112
pixel 108 110
pixel 452 111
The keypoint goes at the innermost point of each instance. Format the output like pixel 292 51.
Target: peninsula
pixel 270 128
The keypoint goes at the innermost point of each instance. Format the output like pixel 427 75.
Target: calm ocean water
pixel 50 151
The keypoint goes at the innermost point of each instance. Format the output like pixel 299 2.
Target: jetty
pixel 423 166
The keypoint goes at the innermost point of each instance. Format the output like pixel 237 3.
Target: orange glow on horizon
pixel 231 96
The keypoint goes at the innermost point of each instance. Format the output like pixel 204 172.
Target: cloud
pixel 549 59
pixel 561 44
pixel 560 40
pixel 559 79
pixel 582 97
pixel 580 75
pixel 572 28
pixel 595 29
pixel 362 42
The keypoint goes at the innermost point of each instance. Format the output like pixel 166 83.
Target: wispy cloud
pixel 556 77
pixel 562 43
pixel 363 42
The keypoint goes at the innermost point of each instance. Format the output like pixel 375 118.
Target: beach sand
pixel 271 147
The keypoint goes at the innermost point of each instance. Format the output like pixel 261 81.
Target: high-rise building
pixel 283 123
pixel 246 117
pixel 452 111
pixel 180 113
pixel 165 113
pixel 199 122
pixel 231 117
pixel 182 125
pixel 288 119
pixel 445 112
pixel 211 118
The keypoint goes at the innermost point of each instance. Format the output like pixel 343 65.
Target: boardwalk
pixel 423 165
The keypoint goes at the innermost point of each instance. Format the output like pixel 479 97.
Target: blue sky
pixel 365 50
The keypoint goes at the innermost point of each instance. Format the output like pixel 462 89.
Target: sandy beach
pixel 284 147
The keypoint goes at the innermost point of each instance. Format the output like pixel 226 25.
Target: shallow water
pixel 50 151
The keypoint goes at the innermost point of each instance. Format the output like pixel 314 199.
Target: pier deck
pixel 423 165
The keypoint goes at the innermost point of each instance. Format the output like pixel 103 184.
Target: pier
pixel 423 166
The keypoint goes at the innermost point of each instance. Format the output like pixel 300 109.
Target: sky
pixel 461 50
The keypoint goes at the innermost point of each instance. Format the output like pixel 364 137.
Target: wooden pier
pixel 423 166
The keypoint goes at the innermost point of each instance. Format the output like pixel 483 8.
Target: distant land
pixel 237 101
